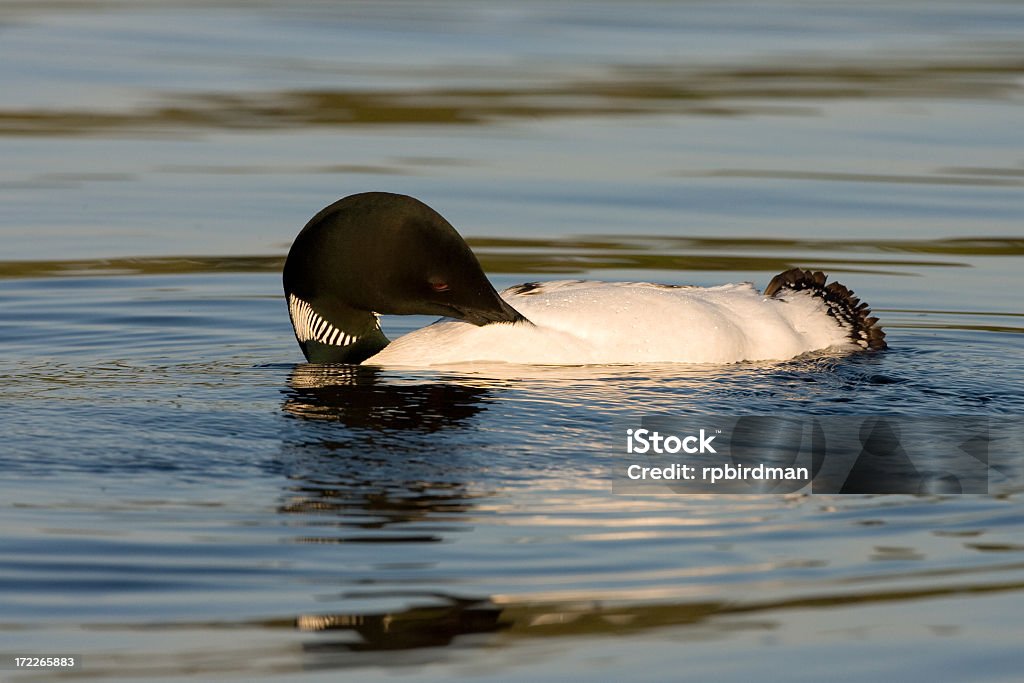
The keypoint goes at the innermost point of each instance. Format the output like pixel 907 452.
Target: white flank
pixel 595 323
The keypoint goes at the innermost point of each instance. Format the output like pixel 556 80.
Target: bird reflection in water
pixel 435 625
pixel 380 452
pixel 374 460
pixel 361 397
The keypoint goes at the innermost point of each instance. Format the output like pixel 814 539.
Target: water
pixel 182 499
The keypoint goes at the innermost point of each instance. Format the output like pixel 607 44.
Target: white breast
pixel 609 323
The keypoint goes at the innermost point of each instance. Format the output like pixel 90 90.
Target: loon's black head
pixel 375 253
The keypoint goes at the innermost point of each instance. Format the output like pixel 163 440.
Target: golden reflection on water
pixel 571 255
pixel 619 90
pixel 518 618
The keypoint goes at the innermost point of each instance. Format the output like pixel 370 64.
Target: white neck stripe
pixel 311 326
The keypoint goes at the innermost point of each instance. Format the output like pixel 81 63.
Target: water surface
pixel 183 499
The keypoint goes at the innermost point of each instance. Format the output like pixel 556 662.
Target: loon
pixel 380 253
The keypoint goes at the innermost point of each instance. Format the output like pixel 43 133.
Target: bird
pixel 380 253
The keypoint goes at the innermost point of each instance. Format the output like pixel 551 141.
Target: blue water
pixel 183 499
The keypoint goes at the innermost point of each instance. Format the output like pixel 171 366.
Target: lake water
pixel 183 499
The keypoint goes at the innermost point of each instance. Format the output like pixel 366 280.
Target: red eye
pixel 439 285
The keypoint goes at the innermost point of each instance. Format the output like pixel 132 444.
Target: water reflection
pixel 616 90
pixel 368 466
pixel 560 256
pixel 435 625
pixel 441 623
pixel 367 455
pixel 362 397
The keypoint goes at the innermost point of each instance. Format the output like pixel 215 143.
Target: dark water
pixel 182 499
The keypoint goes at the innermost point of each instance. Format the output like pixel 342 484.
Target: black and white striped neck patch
pixel 311 326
